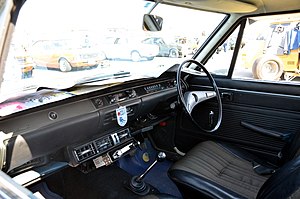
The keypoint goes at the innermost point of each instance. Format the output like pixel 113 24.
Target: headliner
pixel 240 6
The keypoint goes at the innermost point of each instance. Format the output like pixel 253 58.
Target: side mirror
pixel 152 23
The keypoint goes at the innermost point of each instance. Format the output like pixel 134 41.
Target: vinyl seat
pixel 213 170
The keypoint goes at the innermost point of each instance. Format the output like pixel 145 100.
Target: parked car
pixel 165 50
pixel 63 54
pixel 127 48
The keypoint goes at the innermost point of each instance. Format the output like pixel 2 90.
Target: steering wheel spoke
pixel 192 98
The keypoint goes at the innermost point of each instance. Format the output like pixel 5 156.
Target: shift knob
pixel 137 185
pixel 161 156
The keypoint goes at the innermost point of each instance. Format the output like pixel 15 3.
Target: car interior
pixel 189 132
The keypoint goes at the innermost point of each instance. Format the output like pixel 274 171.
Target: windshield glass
pixel 61 43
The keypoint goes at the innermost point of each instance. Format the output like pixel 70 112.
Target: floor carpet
pixel 102 183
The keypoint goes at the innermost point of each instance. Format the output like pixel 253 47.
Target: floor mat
pixel 103 183
pixel 157 177
pixel 43 189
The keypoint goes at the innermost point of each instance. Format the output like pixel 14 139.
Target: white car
pixel 128 49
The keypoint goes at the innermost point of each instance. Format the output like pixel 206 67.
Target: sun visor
pixel 225 6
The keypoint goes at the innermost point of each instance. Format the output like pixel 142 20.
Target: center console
pixel 103 150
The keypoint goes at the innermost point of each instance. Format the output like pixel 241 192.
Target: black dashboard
pixel 85 127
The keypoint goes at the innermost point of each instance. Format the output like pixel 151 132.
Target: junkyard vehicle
pixel 139 125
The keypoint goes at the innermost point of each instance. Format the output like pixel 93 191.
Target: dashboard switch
pixel 52 115
pixel 118 153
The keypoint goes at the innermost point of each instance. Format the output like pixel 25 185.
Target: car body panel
pixel 165 50
pixel 47 53
pixel 122 48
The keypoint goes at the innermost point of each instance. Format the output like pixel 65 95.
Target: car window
pixel 159 41
pixel 219 63
pixel 270 49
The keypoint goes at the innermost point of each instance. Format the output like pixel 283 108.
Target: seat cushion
pixel 213 170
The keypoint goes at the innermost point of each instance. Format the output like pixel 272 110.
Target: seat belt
pixel 262 170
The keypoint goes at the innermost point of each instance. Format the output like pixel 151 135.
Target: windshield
pixel 61 43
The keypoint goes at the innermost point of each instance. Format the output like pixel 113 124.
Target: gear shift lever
pixel 160 157
pixel 137 185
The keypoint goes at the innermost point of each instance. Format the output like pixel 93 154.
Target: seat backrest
pixel 284 183
pixel 291 149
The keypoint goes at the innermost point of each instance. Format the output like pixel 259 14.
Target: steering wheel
pixel 190 99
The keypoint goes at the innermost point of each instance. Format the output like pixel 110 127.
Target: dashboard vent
pixel 103 144
pixel 84 152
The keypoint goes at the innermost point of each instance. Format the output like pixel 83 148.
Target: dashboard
pixel 85 127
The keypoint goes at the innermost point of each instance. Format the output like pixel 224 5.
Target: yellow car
pixel 64 55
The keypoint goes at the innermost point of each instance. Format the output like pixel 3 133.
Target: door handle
pixel 227 96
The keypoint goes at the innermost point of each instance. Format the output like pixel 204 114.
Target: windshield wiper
pixel 103 77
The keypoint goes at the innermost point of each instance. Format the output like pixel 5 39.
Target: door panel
pixel 253 118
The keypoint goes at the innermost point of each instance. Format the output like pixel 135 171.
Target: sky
pixel 39 18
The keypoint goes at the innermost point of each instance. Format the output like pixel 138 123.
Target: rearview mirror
pixel 152 23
